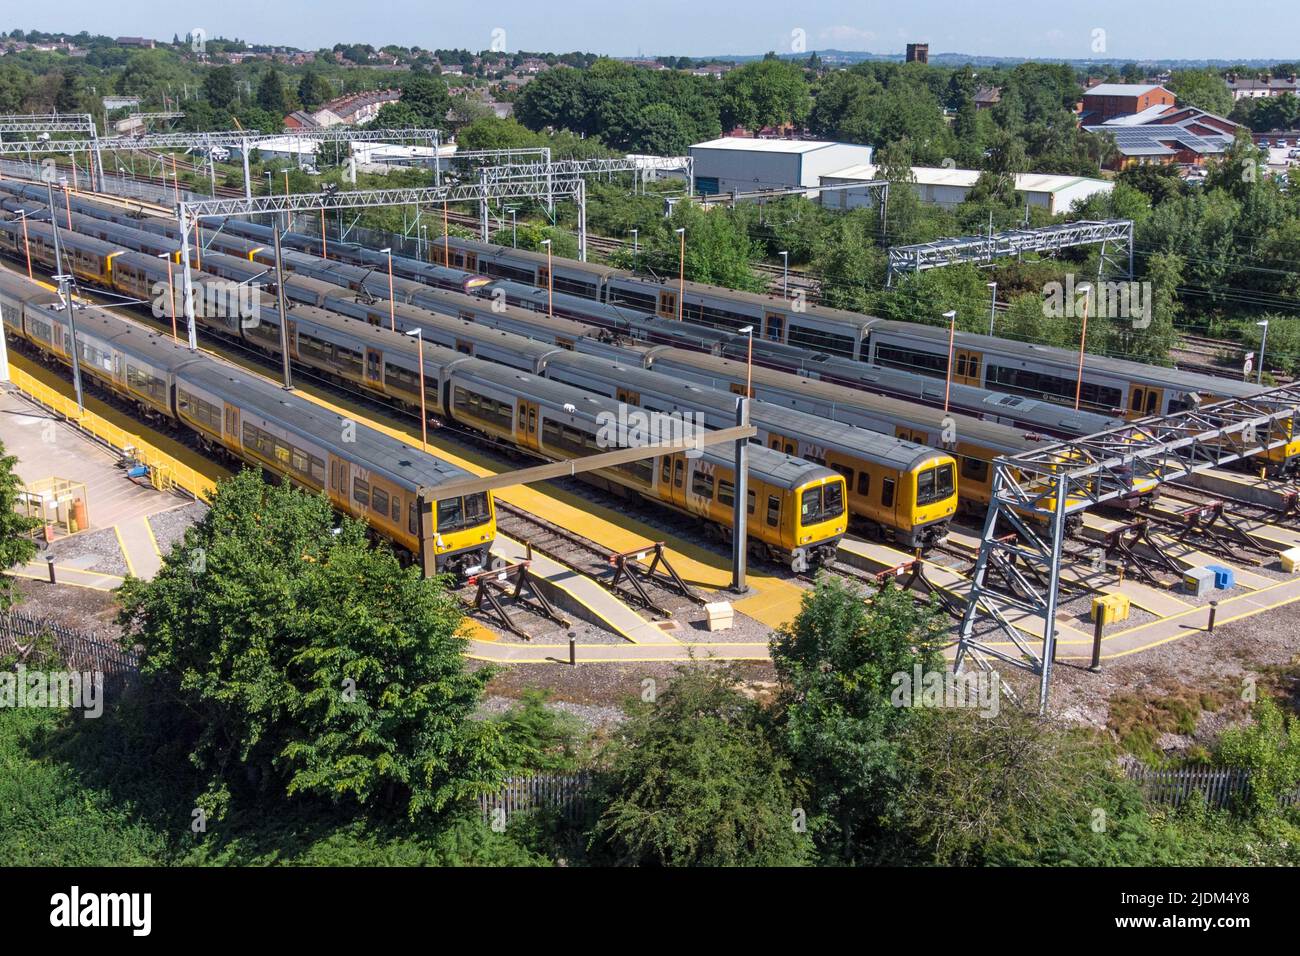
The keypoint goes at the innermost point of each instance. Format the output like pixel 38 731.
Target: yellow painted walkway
pixel 38 570
pixel 139 547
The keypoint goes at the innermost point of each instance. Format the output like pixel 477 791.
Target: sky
pixel 1119 29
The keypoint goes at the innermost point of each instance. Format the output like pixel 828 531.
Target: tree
pixel 309 662
pixel 836 662
pixel 427 98
pixel 68 99
pixel 693 779
pixel 270 93
pixel 1270 750
pixel 765 93
pixel 1204 89
pixel 313 90
pixel 16 545
pixel 219 87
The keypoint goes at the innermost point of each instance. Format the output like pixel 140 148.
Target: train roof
pixel 493 251
pixel 25 290
pixel 772 466
pixel 999 437
pixel 399 462
pixel 881 448
pixel 1172 377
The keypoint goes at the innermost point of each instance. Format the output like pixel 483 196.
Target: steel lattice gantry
pixel 520 187
pixel 1117 233
pixel 1034 494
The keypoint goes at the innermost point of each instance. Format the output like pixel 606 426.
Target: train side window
pixel 961 365
pixel 667 472
pixel 397 509
pixel 864 483
pixel 678 471
pixel 702 484
pixel 726 493
pixel 379 501
pixel 773 510
pixel 846 471
pixel 789 448
pixel 973 370
pixel 887 493
pixel 751 502
pixel 1151 401
pixel 1137 400
pixel 361 491
pixel 413 519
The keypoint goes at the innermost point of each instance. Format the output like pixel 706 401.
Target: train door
pixel 232 425
pixel 788 446
pixel 465 346
pixel 1146 400
pixel 629 397
pixel 774 327
pixel 903 433
pixel 968 369
pixel 668 304
pixel 293 337
pixel 374 368
pixel 471 262
pixel 543 277
pixel 738 389
pixel 526 424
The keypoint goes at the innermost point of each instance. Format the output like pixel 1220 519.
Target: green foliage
pixel 271 95
pixel 1270 749
pixel 693 779
pixel 310 662
pixel 16 544
pixel 768 92
pixel 1204 89
pixel 313 90
pixel 220 89
pixel 835 719
pixel 546 740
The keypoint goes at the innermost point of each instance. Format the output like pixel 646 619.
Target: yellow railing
pixel 165 471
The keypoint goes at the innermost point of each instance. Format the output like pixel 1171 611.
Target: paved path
pixel 140 547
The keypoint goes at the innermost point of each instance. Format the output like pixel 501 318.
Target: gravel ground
pixel 96 550
pixel 169 526
pixel 595 717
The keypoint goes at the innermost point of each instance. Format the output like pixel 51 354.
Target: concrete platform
pixel 46 446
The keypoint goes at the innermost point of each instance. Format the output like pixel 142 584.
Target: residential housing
pixel 351 110
pixel 1261 87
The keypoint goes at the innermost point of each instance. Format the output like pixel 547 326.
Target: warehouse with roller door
pixel 739 164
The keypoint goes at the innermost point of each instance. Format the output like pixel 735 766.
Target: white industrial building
pixel 739 164
pixel 302 150
pixel 941 186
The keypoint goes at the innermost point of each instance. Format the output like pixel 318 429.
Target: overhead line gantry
pixel 1035 493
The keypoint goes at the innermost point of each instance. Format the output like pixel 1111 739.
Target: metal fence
pixel 1215 787
pixel 117 185
pixel 566 793
pixel 77 650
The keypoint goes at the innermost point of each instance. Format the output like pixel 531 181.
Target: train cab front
pixel 457 535
pixel 822 522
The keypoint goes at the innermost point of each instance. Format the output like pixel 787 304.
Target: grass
pixel 1139 718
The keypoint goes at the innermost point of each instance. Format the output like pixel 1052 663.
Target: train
pixel 364 472
pixel 912 358
pixel 915 493
pixel 799 508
